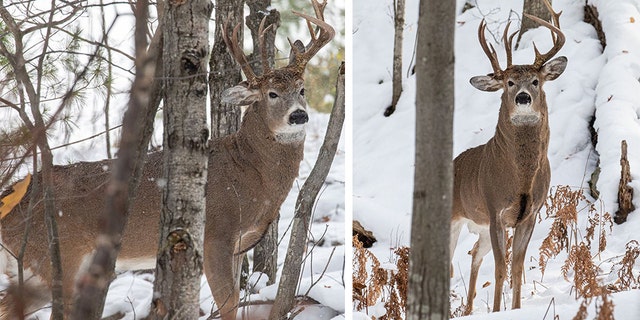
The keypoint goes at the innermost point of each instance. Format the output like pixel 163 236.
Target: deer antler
pixel 491 53
pixel 235 48
pixel 317 41
pixel 263 50
pixel 556 35
pixel 507 43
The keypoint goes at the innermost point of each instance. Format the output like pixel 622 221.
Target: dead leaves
pixel 13 199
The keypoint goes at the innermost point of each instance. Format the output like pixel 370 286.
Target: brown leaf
pixel 10 201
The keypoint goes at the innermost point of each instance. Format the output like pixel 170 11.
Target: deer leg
pixel 520 242
pixel 222 268
pixel 456 225
pixel 480 249
pixel 498 245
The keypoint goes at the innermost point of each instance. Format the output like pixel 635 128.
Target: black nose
pixel 298 117
pixel 523 98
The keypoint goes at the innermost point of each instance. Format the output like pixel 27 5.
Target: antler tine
pixel 263 50
pixel 491 54
pixel 318 8
pixel 556 35
pixel 317 41
pixel 507 44
pixel 236 51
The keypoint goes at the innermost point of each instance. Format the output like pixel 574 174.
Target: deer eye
pixel 510 83
pixel 273 95
pixel 302 92
pixel 535 82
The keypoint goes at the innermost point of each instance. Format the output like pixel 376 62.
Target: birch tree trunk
pixel 428 296
pixel 398 21
pixel 285 298
pixel 265 253
pixel 180 257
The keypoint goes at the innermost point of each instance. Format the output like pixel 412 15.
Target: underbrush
pixel 375 283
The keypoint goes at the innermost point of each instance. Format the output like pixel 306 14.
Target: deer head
pixel 522 84
pixel 278 94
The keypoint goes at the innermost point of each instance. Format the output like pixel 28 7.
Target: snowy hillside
pixel 604 83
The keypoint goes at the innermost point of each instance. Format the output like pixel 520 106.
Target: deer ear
pixel 240 95
pixel 486 83
pixel 554 68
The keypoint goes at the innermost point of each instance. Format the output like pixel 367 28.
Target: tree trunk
pixel 257 9
pixel 225 73
pixel 535 8
pixel 398 21
pixel 428 296
pixel 50 212
pixel 265 254
pixel 180 257
pixel 285 301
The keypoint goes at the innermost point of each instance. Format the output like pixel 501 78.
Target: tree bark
pixel 428 296
pixel 625 192
pixel 225 73
pixel 265 253
pixel 398 21
pixel 180 257
pixel 285 301
pixel 257 9
pixel 535 8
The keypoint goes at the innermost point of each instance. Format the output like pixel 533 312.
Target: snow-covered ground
pixel 604 83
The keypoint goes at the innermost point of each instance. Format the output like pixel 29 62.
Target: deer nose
pixel 298 117
pixel 523 98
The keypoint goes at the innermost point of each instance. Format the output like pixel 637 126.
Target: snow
pixel 383 147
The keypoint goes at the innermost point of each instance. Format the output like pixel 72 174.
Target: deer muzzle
pixel 524 114
pixel 298 117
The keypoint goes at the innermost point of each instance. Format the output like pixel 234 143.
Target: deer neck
pixel 263 148
pixel 522 148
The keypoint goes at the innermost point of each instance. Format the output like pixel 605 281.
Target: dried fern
pixel 582 311
pixel 625 274
pixel 381 284
pixel 562 206
pixel 584 271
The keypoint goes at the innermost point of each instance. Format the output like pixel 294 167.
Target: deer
pixel 250 174
pixel 503 183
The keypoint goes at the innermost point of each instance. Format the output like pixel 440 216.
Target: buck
pixel 503 183
pixel 250 175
